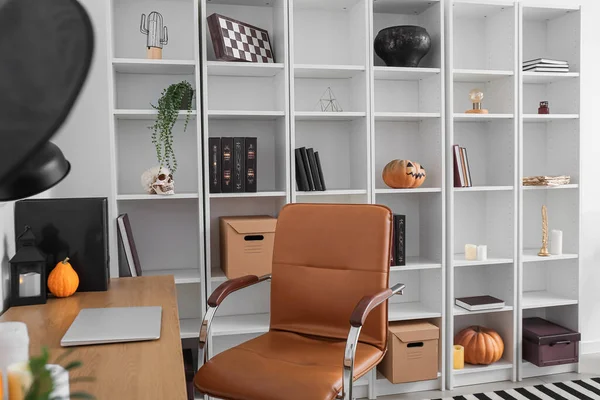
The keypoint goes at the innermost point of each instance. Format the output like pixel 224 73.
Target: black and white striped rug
pixel 587 389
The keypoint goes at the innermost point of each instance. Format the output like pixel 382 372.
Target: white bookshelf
pixel 482 52
pixel 549 287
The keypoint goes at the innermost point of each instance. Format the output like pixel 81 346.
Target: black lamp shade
pixel 39 173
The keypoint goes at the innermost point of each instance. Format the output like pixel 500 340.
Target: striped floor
pixel 587 389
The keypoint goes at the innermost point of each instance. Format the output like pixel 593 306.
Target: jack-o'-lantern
pixel 404 174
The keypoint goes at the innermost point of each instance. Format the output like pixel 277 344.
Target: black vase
pixel 402 46
pixel 186 99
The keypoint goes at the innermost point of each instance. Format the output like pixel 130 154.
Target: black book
pixel 393 249
pixel 301 178
pixel 251 152
pixel 125 234
pixel 320 170
pixel 314 170
pixel 399 239
pixel 214 145
pixel 311 182
pixel 226 165
pixel 239 165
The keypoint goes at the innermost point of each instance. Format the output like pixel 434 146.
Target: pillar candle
pixel 459 357
pixel 14 346
pixel 481 253
pixel 470 252
pixel 19 380
pixel 30 284
pixel 556 243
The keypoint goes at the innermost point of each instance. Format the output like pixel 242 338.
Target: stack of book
pixel 398 255
pixel 462 170
pixel 309 174
pixel 232 164
pixel 546 180
pixel 479 303
pixel 545 65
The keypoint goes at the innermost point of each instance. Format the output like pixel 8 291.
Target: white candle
pixel 14 346
pixel 29 284
pixel 470 252
pixel 481 252
pixel 556 242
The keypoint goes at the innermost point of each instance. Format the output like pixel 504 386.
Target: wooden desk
pixel 128 371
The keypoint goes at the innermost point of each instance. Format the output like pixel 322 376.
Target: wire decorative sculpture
pixel 329 103
pixel 157 33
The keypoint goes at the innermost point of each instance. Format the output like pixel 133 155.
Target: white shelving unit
pixel 168 230
pixel 549 287
pixel 482 52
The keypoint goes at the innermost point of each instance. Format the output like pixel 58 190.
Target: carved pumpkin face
pixel 404 174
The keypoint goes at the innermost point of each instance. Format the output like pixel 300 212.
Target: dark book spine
pixel 227 165
pixel 313 169
pixel 214 145
pixel 311 182
pixel 239 165
pixel 320 170
pixel 400 235
pixel 301 178
pixel 251 153
pixel 393 249
pixel 458 175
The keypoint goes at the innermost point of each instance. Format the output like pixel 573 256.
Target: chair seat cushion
pixel 282 365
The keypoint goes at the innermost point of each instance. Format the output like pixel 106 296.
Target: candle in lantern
pixel 29 284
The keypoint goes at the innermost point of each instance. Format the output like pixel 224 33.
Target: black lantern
pixel 27 272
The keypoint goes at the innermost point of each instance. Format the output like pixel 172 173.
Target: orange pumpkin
pixel 403 174
pixel 63 280
pixel 483 346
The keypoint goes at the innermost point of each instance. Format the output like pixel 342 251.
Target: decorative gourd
pixel 63 280
pixel 482 345
pixel 404 174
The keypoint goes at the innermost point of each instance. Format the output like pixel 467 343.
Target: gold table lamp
pixel 476 96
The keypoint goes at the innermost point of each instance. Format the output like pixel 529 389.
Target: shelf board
pixel 146 114
pixel 474 369
pixel 404 116
pixel 224 68
pixel 335 192
pixel 157 67
pixel 548 117
pixel 547 77
pixel 240 324
pixel 461 311
pixel 156 197
pixel 530 255
pixel 328 116
pixel 182 276
pixel 461 261
pixel 410 311
pixel 480 75
pixel 246 195
pixel 405 74
pixel 327 71
pixel 464 117
pixel 559 187
pixel 541 299
pixel 190 328
pixel 408 191
pixel 484 189
pixel 245 115
pixel 416 263
pixel 543 12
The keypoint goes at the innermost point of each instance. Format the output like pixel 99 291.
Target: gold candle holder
pixel 544 250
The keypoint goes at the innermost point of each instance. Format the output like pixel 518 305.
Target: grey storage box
pixel 546 344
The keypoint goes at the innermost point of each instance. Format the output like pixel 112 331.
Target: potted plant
pixel 176 97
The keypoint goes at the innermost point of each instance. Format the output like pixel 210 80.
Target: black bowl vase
pixel 402 46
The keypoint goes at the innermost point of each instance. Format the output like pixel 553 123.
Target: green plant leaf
pixel 81 395
pixel 73 365
pixel 64 355
pixel 82 379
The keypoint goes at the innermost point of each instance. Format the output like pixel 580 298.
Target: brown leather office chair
pixel 330 271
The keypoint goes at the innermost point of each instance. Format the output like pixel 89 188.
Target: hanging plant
pixel 173 99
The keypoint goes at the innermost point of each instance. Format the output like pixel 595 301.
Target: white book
pixel 545 61
pixel 544 69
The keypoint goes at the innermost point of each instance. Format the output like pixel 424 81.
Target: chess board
pixel 238 41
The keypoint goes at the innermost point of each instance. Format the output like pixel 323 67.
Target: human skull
pixel 158 181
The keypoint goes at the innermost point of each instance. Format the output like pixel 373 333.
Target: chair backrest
pixel 325 259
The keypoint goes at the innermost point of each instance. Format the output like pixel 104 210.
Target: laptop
pixel 113 325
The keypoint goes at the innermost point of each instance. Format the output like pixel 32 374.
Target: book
pixel 251 163
pixel 313 169
pixel 545 69
pixel 301 178
pixel 459 179
pixel 214 145
pixel 226 165
pixel 393 247
pixel 465 160
pixel 399 239
pixel 478 303
pixel 545 61
pixel 463 166
pixel 320 170
pixel 311 182
pixel 239 165
pixel 128 244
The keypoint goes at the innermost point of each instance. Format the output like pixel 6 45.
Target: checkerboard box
pixel 235 40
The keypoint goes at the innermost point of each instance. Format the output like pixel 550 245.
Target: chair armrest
pixel 368 303
pixel 230 286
